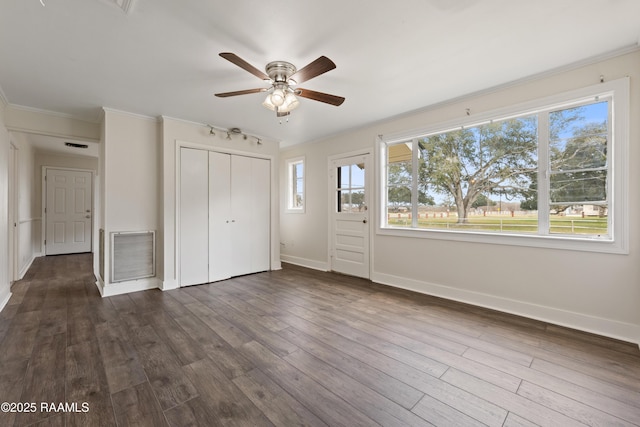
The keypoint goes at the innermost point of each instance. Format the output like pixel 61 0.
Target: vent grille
pixel 133 255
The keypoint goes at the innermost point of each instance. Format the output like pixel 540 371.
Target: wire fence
pixel 504 223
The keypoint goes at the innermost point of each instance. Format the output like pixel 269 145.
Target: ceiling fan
pixel 284 77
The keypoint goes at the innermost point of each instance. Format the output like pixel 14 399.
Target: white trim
pixel 52 113
pixel 169 285
pixel 619 244
pixel 26 267
pixel 4 302
pixel 289 163
pixel 597 325
pixel 3 98
pixel 129 114
pixel 127 287
pixel 304 262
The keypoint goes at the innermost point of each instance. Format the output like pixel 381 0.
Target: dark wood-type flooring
pixel 296 347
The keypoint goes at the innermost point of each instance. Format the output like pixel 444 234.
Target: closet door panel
pixel 261 214
pixel 241 217
pixel 219 216
pixel 194 221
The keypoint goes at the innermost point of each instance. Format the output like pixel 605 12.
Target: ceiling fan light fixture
pixel 268 104
pixel 283 76
pixel 277 97
pixel 290 103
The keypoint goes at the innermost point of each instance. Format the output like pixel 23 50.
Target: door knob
pixel 364 221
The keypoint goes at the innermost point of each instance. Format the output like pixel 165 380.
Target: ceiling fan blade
pixel 232 57
pixel 320 96
pixel 314 69
pixel 240 92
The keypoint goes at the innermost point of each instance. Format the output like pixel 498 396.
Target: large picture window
pixel 547 170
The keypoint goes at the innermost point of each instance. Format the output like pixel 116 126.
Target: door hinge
pixel 45 241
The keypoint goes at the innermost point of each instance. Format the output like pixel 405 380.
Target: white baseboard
pixel 99 285
pixel 167 285
pixel 597 325
pixel 304 262
pixel 27 266
pixel 119 288
pixel 5 301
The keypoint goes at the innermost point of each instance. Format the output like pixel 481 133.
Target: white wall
pixel 130 185
pixel 589 291
pixel 5 285
pixel 176 132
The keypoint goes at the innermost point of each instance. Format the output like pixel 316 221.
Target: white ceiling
pixel 161 57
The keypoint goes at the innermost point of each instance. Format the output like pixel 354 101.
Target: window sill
pixel 534 241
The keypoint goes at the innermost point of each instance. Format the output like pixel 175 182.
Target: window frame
pixel 291 186
pixel 617 89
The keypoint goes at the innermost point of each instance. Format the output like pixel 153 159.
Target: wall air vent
pixel 75 145
pixel 133 255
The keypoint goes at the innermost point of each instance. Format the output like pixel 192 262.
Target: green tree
pixel 579 166
pixel 399 180
pixel 467 163
pixel 482 201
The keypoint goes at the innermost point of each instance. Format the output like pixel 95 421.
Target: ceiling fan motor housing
pixel 280 71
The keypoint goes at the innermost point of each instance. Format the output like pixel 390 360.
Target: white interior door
pixel 349 251
pixel 13 213
pixel 194 217
pixel 68 211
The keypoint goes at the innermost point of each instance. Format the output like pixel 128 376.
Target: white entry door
pixel 68 211
pixel 349 252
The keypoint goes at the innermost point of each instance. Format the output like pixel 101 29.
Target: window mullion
pixel 544 174
pixel 414 183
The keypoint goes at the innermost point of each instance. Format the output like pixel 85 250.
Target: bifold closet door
pixel 194 216
pixel 261 212
pixel 224 216
pixel 250 213
pixel 220 220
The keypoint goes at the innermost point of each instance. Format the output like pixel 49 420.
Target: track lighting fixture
pixel 233 131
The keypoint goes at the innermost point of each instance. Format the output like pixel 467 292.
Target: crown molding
pixel 3 98
pixel 51 113
pixel 124 5
pixel 127 113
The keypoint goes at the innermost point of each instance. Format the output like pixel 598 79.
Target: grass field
pixel 506 224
